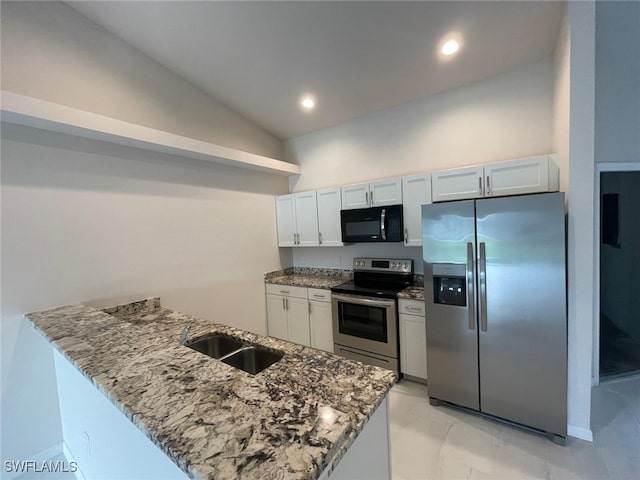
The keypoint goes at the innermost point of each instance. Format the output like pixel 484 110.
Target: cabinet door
pixel 286 220
pixel 329 204
pixel 306 219
pixel 277 317
pixel 385 192
pixel 355 196
pixel 457 184
pixel 320 321
pixel 525 175
pixel 416 191
pixel 298 320
pixel 413 346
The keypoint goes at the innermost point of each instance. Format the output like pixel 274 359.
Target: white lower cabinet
pixel 320 319
pixel 300 315
pixel 288 313
pixel 413 338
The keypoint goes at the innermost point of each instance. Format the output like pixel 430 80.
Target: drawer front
pixel 286 290
pixel 319 294
pixel 411 307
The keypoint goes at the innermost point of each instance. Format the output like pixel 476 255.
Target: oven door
pixel 365 323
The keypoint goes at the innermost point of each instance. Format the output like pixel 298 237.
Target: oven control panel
pixel 389 265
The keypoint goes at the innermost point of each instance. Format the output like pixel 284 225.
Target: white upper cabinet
pixel 355 196
pixel 286 220
pixel 457 184
pixel 385 192
pixel 374 194
pixel 307 219
pixel 297 220
pixel 416 191
pixel 329 204
pixel 513 177
pixel 525 175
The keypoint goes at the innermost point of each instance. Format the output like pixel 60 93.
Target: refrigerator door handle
pixel 471 275
pixel 482 276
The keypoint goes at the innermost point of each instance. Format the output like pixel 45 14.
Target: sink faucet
pixel 185 334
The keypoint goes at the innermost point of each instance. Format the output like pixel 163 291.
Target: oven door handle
pixel 357 300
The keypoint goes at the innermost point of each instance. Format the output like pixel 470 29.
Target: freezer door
pixel 448 246
pixel 522 310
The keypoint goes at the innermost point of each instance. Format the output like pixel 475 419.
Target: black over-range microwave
pixel 375 224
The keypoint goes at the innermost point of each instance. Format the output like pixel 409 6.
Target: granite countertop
pixel 309 277
pixel 412 293
pixel 290 421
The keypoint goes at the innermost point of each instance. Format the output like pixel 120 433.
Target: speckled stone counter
pixel 309 277
pixel 412 293
pixel 213 420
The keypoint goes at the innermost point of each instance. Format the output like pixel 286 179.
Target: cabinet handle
pixel 283 307
pixel 488 186
pixel 286 292
pixel 320 238
pixel 309 308
pixel 371 197
pixel 286 302
pixel 413 309
pixel 366 198
pixel 479 185
pixel 318 296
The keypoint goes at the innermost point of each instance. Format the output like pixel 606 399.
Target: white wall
pixel 561 95
pixel 52 52
pixel 86 221
pixel 581 245
pixel 505 117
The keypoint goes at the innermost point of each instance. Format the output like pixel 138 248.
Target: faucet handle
pixel 185 334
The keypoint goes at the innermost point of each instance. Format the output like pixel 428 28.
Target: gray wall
pixel 617 99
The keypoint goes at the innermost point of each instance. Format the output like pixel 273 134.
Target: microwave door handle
pixel 383 233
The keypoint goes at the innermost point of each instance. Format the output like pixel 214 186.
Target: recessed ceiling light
pixel 307 102
pixel 450 47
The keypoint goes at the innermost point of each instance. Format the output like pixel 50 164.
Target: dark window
pixel 610 220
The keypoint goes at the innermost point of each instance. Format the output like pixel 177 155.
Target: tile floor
pixel 442 443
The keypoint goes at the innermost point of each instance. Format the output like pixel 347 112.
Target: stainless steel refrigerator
pixel 496 321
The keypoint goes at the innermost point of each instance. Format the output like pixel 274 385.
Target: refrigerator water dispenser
pixel 449 284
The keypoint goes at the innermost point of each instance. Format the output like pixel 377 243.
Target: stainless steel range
pixel 365 311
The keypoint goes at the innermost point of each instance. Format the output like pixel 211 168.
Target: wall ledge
pixel 34 112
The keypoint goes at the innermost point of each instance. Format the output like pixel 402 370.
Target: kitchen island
pixel 300 418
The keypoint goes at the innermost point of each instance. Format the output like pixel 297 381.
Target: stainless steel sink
pixel 252 359
pixel 215 345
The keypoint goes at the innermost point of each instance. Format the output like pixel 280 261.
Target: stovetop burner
pixel 378 277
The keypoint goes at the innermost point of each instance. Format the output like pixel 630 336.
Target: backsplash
pixel 342 257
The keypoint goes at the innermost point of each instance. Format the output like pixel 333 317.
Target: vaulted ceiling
pixel 355 57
